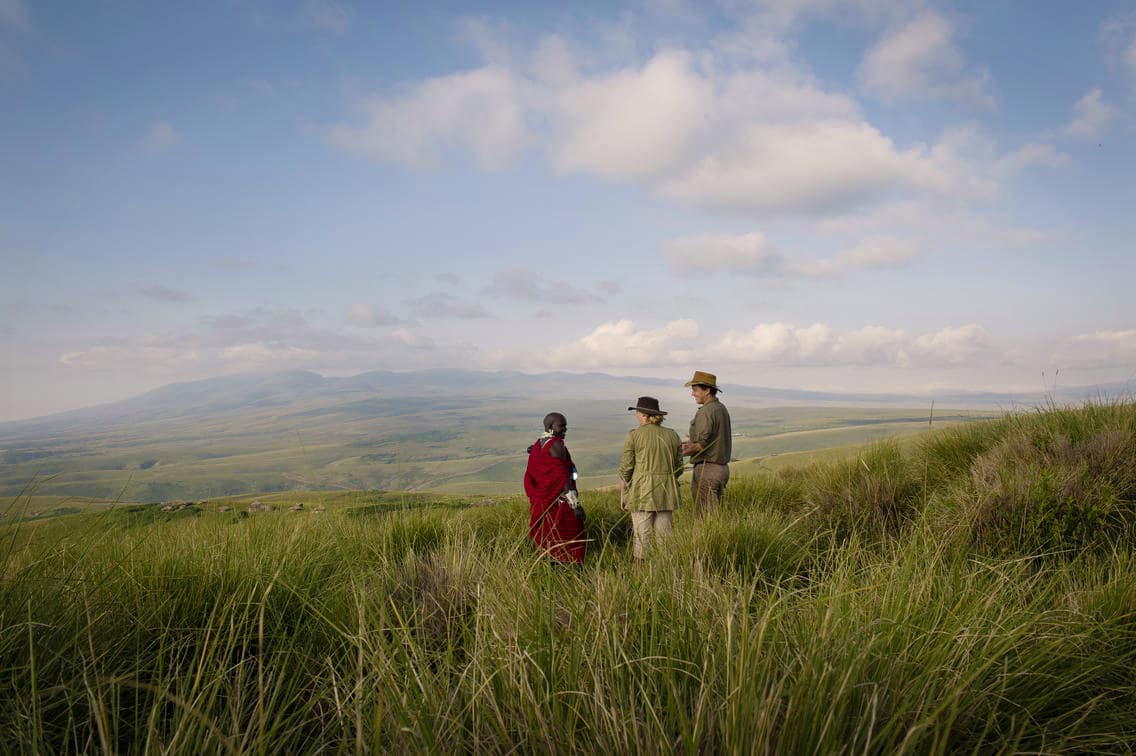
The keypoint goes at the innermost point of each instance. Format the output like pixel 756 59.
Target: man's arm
pixel 701 431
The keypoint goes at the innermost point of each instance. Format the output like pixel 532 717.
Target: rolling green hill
pixel 460 445
pixel 967 590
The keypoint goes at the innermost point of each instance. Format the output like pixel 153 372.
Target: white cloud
pixel 699 127
pixel 1034 153
pixel 920 59
pixel 633 123
pixel 622 344
pixel 266 355
pixel 481 111
pixel 817 167
pixel 752 255
pixel 747 254
pixel 954 345
pixel 1092 115
pixel 818 344
pixel 870 254
pixel 161 138
pixel 1101 349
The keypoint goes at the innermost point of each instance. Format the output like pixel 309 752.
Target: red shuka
pixel 553 525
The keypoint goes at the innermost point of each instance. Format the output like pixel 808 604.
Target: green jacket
pixel 651 465
pixel 711 428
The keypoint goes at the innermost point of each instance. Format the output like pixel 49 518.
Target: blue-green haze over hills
pixel 446 430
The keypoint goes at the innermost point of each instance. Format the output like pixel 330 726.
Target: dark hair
pixel 712 389
pixel 551 418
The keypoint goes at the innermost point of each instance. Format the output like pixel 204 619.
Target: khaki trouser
pixel 707 485
pixel 643 522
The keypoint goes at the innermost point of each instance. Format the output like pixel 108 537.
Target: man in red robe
pixel 556 519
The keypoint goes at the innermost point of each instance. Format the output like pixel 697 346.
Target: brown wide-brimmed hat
pixel 648 405
pixel 703 379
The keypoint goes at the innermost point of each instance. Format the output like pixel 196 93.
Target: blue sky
pixel 831 194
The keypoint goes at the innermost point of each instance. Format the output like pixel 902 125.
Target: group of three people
pixel 649 470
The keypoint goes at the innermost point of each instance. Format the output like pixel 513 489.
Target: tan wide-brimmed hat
pixel 704 379
pixel 648 405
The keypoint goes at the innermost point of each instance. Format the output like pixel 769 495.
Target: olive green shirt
pixel 711 428
pixel 651 465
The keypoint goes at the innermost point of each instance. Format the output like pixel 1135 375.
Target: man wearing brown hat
pixel 710 443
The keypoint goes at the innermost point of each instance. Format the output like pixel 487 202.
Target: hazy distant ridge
pixel 296 389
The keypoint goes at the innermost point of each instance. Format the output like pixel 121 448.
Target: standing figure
pixel 710 443
pixel 648 474
pixel 556 519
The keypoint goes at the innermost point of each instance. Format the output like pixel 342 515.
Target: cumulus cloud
pixel 444 305
pixel 753 255
pixel 746 254
pixel 635 123
pixel 161 138
pixel 870 254
pixel 818 344
pixel 528 286
pixel 1092 116
pixel 368 316
pixel 1035 153
pixel 919 59
pixel 623 344
pixel 820 167
pixel 954 345
pixel 713 127
pixel 480 111
pixel 165 294
pixel 1100 349
pixel 684 124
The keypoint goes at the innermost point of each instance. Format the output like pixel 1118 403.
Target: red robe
pixel 553 524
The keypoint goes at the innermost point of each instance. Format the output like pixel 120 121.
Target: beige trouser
pixel 642 524
pixel 707 485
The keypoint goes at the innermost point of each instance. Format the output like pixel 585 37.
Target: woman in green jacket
pixel 648 474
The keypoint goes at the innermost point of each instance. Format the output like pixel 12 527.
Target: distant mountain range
pixel 456 430
pixel 236 394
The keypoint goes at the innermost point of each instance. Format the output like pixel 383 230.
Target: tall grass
pixel 872 606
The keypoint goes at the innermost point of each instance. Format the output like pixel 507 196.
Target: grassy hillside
pixel 450 445
pixel 970 590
